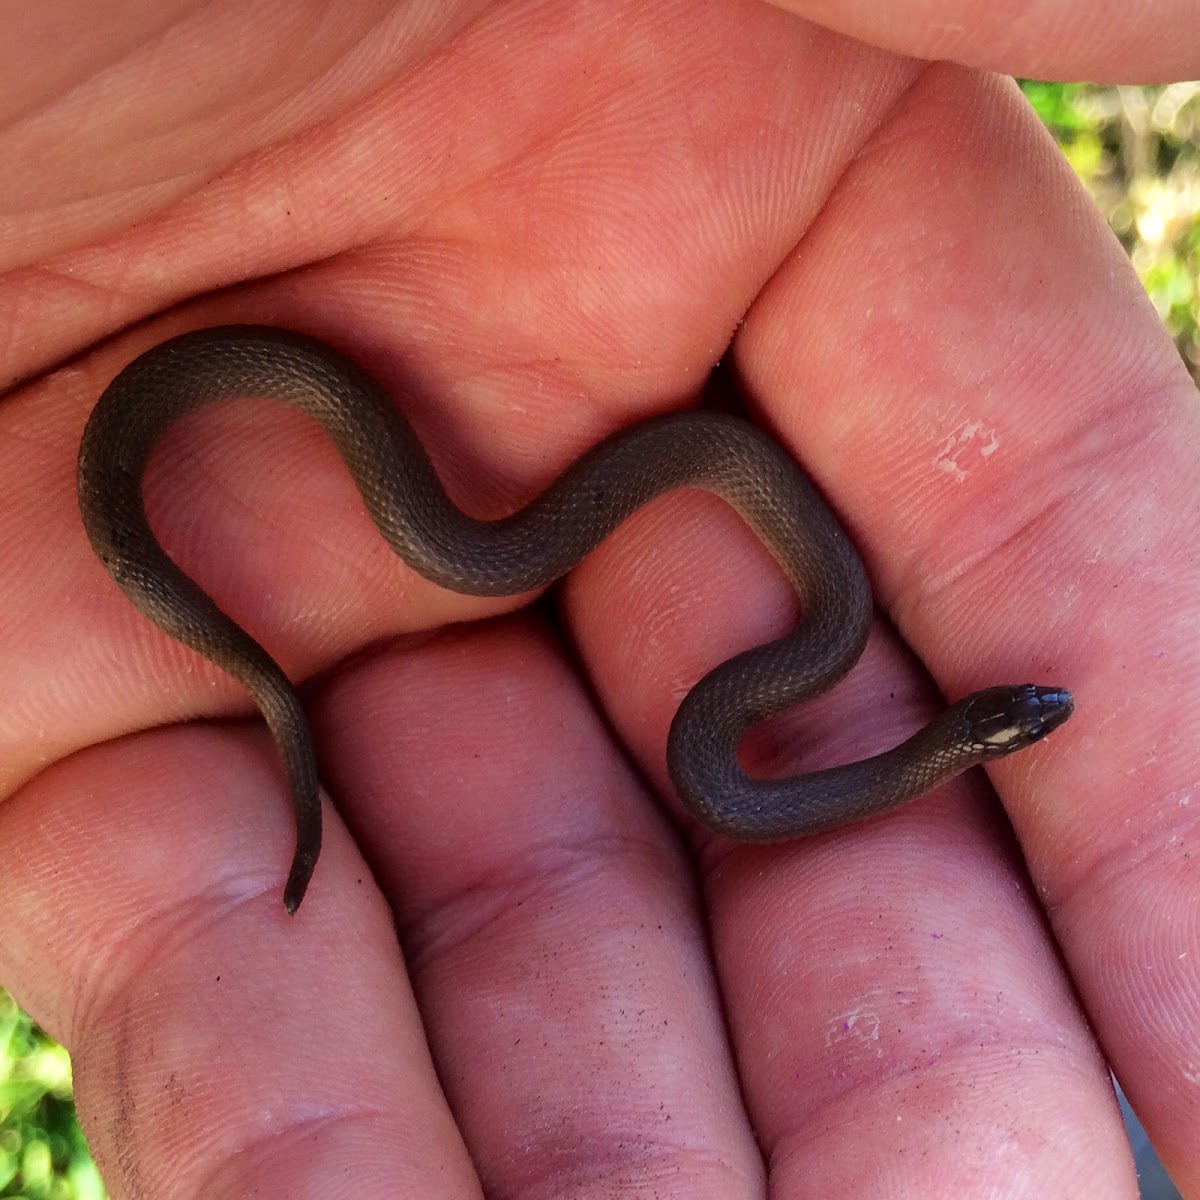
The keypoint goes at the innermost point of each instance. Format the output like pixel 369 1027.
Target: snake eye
pixel 1004 719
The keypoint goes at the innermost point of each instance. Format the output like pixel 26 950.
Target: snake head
pixel 1003 719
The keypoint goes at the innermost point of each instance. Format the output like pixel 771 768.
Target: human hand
pixel 535 225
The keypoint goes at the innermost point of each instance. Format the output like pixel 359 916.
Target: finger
pixel 220 1048
pixel 1011 436
pixel 1061 39
pixel 548 918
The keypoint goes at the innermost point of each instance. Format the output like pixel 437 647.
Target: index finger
pixel 1039 506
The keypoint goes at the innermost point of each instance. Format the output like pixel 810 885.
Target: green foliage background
pixel 1138 152
pixel 43 1155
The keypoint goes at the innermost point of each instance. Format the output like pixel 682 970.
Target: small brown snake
pixel 529 550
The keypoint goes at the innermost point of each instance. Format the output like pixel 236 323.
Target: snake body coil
pixel 531 549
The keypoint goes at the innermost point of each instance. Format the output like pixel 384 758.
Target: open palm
pixel 519 971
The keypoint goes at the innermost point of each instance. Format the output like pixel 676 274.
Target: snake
pixel 529 550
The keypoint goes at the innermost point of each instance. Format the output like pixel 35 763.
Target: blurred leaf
pixel 43 1154
pixel 1055 106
